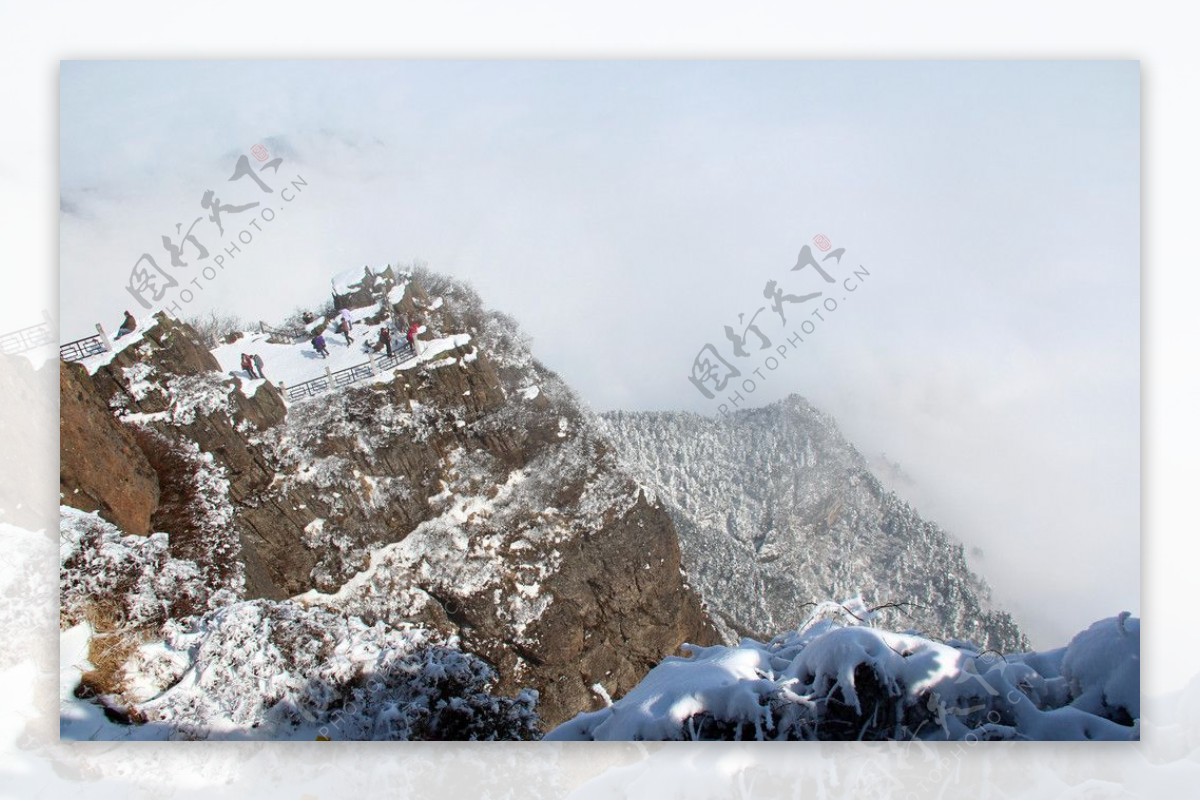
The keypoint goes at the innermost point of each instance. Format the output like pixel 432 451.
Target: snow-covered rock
pixel 841 679
pixel 1103 667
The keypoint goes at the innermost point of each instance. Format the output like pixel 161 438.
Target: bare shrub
pixel 498 334
pixel 215 327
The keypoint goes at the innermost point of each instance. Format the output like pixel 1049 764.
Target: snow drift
pixel 838 678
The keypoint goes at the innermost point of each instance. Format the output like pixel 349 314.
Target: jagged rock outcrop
pixel 777 511
pixel 357 288
pixel 470 493
pixel 101 467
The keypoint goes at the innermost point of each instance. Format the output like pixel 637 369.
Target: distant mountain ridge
pixel 776 510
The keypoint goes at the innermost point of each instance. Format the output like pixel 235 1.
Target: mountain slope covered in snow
pixel 777 511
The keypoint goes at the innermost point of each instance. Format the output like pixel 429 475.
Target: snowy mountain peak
pixel 777 510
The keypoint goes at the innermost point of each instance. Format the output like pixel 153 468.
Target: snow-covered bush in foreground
pixel 135 579
pixel 189 662
pixel 279 670
pixel 843 680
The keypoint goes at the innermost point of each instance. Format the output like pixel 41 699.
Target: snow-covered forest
pixel 776 510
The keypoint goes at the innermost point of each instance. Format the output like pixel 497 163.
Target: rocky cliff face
pixel 101 467
pixel 469 493
pixel 777 511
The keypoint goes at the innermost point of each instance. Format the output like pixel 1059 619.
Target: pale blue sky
pixel 625 212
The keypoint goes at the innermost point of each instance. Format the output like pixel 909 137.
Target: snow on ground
pixel 834 680
pixel 95 362
pixel 78 719
pixel 396 293
pixel 81 718
pixel 139 379
pixel 484 539
pixel 295 363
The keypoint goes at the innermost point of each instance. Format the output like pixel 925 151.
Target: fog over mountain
pixel 627 212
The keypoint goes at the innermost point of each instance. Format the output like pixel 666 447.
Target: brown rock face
pixel 169 348
pixel 516 531
pixel 619 607
pixel 101 467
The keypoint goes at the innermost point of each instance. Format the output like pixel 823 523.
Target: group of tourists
pixel 252 363
pixel 344 325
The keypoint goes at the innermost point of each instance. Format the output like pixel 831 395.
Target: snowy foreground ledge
pixel 841 680
pixel 199 664
pixel 192 662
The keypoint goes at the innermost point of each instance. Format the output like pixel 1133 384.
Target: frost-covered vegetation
pixel 776 509
pixel 215 326
pixel 486 529
pixel 421 501
pixel 116 580
pixel 839 678
pixel 495 333
pixel 278 670
pixel 491 534
pixel 173 658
